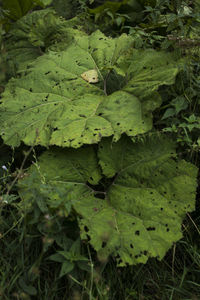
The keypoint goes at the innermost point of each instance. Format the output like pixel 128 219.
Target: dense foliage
pixel 100 137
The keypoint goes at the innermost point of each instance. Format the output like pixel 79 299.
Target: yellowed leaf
pixel 90 76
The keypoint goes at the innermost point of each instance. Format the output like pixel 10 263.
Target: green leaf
pixel 153 166
pixel 29 289
pixel 149 195
pixel 108 5
pixel 66 268
pixel 53 105
pixel 67 264
pixel 57 257
pixel 43 3
pixel 22 35
pixel 34 34
pixel 146 202
pixel 60 179
pixel 170 112
pixel 17 8
pixel 148 70
pixel 71 256
pixel 180 103
pixel 66 9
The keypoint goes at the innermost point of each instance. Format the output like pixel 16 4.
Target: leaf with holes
pixel 54 105
pixel 59 179
pixel 33 35
pixel 152 190
pixel 138 214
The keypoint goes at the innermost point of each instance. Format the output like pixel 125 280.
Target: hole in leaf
pixel 103 245
pixel 131 245
pixel 99 196
pixel 47 73
pixel 137 232
pixel 86 229
pixel 88 237
pixel 167 230
pixel 118 124
pixel 151 228
pixel 161 208
pixel 30 89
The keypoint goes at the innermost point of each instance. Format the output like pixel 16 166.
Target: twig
pixel 20 170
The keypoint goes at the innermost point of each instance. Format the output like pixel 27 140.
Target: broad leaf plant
pixel 129 194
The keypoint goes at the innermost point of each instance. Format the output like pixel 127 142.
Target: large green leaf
pixel 17 8
pixel 146 71
pixel 148 198
pixel 32 35
pixel 18 39
pixel 138 215
pixel 150 166
pixel 54 105
pixel 60 179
